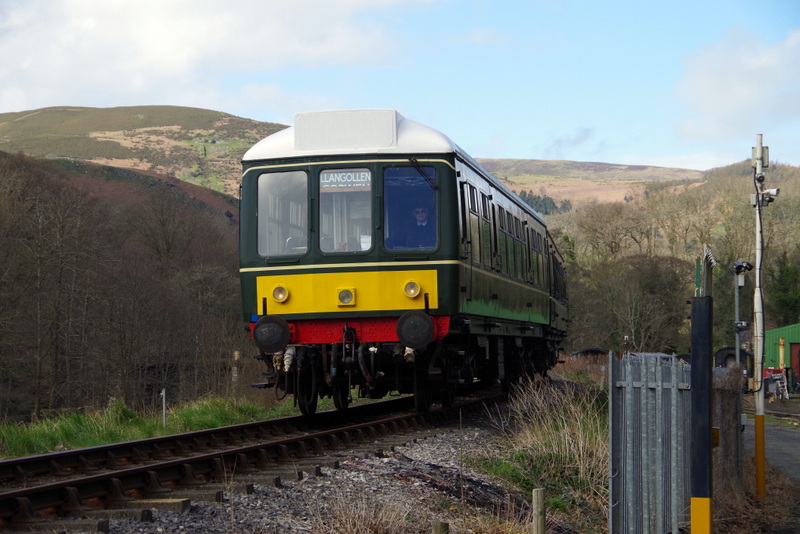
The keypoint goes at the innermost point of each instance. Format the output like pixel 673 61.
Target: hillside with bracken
pixel 205 148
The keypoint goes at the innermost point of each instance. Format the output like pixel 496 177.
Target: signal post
pixel 760 199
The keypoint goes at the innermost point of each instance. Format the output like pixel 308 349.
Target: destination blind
pixel 350 179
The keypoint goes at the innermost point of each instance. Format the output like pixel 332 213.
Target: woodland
pixel 121 287
pixel 115 295
pixel 632 265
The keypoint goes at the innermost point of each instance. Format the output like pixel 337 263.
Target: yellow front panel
pixel 373 290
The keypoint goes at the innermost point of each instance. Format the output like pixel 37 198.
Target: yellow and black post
pixel 702 379
pixel 702 382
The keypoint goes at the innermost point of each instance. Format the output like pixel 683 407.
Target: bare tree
pixel 639 298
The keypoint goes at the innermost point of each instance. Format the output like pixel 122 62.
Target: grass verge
pixel 118 423
pixel 555 437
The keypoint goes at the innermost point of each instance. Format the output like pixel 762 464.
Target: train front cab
pixel 330 277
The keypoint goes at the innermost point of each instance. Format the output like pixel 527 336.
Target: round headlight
pixel 280 294
pixel 411 289
pixel 346 297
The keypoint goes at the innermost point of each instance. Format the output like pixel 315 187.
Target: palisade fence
pixel 650 427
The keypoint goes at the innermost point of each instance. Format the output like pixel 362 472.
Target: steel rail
pixel 148 466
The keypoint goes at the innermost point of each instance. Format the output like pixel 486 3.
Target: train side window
pixel 410 199
pixel 484 206
pixel 282 228
pixel 345 210
pixel 473 199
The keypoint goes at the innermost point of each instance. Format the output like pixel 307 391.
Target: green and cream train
pixel 378 257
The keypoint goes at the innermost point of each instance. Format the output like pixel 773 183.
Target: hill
pixel 205 147
pixel 581 182
pixel 119 185
pixel 199 146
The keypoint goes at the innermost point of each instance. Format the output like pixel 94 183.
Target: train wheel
pixel 447 388
pixel 341 396
pixel 422 394
pixel 422 386
pixel 307 402
pixel 448 395
pixel 306 391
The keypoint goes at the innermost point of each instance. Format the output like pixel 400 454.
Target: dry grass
pixel 568 429
pixel 738 511
pixel 556 438
pixel 363 513
pixel 587 371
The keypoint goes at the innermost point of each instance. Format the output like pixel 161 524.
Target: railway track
pixel 774 410
pixel 51 491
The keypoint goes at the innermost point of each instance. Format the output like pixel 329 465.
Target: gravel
pixel 405 488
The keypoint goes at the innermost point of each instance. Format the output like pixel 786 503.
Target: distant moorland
pixel 205 147
pixel 582 182
pixel 195 145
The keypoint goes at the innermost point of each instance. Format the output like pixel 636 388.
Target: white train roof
pixel 356 131
pixel 360 131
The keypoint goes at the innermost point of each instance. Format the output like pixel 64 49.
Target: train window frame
pixel 485 206
pixel 405 190
pixel 473 198
pixel 282 223
pixel 347 225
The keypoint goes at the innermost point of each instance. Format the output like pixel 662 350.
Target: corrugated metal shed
pixel 790 334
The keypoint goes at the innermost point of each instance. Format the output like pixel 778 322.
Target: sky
pixel 686 84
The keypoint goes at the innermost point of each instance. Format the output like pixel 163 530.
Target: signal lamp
pixel 347 297
pixel 280 294
pixel 411 289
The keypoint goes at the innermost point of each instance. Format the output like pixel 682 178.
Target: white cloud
pixel 107 52
pixel 269 102
pixel 741 85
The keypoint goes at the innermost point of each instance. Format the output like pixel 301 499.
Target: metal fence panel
pixel 650 410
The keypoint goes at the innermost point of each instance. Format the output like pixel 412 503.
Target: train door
pixel 486 232
pixel 471 247
pixel 466 237
pixel 502 243
pixel 473 222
